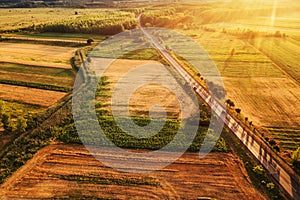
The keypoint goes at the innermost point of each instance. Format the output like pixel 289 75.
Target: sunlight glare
pixel 273 16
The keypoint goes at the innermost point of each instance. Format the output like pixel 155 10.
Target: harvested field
pixel 271 102
pixel 36 54
pixel 30 95
pixel 34 78
pixel 264 91
pixel 69 171
pixel 145 96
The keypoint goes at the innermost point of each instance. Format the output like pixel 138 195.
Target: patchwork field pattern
pixel 262 90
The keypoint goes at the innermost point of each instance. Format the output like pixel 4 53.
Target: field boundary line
pixel 42 39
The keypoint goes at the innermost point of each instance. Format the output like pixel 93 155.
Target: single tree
pixel 272 142
pixel 232 52
pixel 89 41
pixel 238 110
pixel 277 34
pixel 229 103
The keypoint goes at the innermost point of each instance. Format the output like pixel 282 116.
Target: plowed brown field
pixel 47 175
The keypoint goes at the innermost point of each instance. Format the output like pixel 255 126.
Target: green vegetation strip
pixel 104 23
pixel 17 153
pixel 36 85
pixel 40 70
pixel 68 134
pixel 107 180
pixel 45 42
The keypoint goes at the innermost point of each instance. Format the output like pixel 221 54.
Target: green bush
pixel 258 169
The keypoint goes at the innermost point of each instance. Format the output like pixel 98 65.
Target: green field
pixel 289 138
pixel 246 61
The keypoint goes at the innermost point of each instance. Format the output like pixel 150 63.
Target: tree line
pixel 105 23
pixel 167 17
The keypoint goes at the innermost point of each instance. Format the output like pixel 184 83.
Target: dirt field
pixel 36 54
pixel 51 173
pixel 145 96
pixel 30 95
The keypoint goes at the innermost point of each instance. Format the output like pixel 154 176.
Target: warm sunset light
pixel 273 16
pixel 135 99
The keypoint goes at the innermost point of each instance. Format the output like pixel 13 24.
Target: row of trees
pixel 249 123
pixel 250 34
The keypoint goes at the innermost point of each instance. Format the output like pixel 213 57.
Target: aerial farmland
pixel 113 100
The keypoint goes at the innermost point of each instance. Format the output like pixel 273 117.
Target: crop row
pixel 289 139
pixel 107 180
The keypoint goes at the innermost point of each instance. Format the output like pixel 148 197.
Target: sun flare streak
pixel 273 16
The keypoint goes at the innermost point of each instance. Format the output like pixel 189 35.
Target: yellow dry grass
pixel 30 95
pixel 36 54
pixel 271 102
